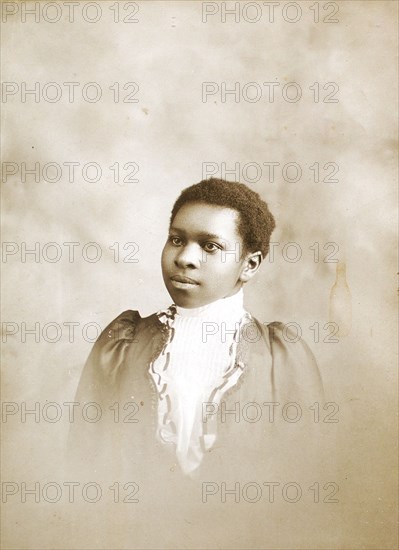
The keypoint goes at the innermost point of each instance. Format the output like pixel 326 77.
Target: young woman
pixel 190 387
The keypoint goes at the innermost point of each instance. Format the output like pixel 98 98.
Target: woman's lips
pixel 179 281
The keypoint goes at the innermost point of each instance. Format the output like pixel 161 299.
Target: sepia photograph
pixel 199 275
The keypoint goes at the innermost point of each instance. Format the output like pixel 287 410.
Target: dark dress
pixel 268 436
pixel 280 378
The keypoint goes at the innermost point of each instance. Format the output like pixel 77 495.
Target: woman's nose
pixel 189 256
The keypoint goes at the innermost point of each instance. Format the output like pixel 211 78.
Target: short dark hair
pixel 256 222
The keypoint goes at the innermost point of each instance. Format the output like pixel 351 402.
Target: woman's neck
pixel 227 308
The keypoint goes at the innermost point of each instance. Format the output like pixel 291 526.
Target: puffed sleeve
pixel 100 373
pixel 295 374
pixel 93 431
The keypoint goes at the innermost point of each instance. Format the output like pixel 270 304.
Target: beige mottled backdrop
pixel 151 84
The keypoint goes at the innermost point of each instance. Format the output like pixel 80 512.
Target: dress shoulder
pixel 122 327
pixel 107 355
pixel 294 365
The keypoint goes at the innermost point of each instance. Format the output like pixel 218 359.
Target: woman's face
pixel 202 260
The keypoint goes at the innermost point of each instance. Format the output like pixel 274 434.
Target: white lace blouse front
pixel 192 373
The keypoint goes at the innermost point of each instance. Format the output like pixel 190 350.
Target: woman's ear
pixel 251 265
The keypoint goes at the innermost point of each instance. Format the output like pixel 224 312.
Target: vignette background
pixel 170 52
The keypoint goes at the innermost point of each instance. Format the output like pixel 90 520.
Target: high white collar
pixel 225 308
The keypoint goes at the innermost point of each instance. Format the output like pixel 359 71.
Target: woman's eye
pixel 211 247
pixel 176 241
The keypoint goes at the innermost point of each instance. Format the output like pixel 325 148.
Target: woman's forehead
pixel 207 220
